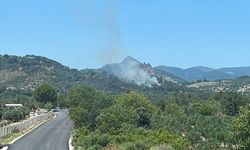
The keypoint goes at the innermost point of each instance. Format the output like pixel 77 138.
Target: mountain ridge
pixel 134 71
pixel 153 75
pixel 201 72
pixel 21 75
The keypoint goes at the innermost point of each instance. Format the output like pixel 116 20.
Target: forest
pixel 110 113
pixel 133 121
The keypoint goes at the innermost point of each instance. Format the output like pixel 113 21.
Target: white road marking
pixel 4 148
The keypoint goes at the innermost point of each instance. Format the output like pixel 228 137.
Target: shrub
pixel 162 147
pixel 14 115
pixel 93 138
pixel 134 146
pixel 241 129
pixel 95 147
pixel 48 106
pixel 1 114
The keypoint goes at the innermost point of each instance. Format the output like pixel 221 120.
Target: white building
pixel 14 105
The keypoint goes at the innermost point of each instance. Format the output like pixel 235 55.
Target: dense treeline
pixel 15 114
pixel 170 115
pixel 132 121
pixel 24 74
pixel 45 96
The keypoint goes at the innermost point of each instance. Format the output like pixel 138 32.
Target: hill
pixel 21 75
pixel 200 72
pixel 24 74
pixel 133 71
pixel 236 71
pixel 240 85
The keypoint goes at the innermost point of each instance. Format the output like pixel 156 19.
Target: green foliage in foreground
pixel 132 109
pixel 128 137
pixel 85 104
pixel 132 121
pixel 15 114
pixel 123 122
pixel 241 129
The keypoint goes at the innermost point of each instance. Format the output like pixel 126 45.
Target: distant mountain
pixel 200 73
pixel 236 71
pixel 133 71
pixel 21 75
pixel 173 70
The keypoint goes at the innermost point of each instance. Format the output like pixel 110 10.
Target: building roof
pixel 14 105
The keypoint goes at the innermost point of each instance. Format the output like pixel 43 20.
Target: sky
pixel 90 33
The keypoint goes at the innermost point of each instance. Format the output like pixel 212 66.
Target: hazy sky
pixel 89 33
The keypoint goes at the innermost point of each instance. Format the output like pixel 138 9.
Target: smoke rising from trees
pixel 101 17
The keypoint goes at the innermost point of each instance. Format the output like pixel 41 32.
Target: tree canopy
pixel 45 93
pixel 241 129
pixel 85 104
pixel 176 121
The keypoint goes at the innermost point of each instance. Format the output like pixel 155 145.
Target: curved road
pixel 52 135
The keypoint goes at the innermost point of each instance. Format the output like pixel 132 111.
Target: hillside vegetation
pixel 111 112
pixel 132 121
pixel 24 74
pixel 20 76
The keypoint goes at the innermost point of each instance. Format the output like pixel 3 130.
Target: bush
pixel 134 146
pixel 14 115
pixel 24 111
pixel 162 136
pixel 241 129
pixel 93 140
pixel 162 147
pixel 132 108
pixel 201 108
pixel 48 106
pixel 2 110
pixel 1 115
pixel 85 104
pixel 95 147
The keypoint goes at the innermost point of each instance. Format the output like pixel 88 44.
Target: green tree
pixel 14 115
pixel 131 108
pixel 172 108
pixel 134 146
pixel 241 129
pixel 231 102
pixel 48 106
pixel 205 109
pixel 26 101
pixel 85 104
pixel 45 93
pixel 162 136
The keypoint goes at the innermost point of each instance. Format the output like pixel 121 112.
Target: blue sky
pixel 90 33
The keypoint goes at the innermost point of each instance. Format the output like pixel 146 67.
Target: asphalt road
pixel 52 135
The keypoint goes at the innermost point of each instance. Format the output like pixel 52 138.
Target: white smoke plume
pixel 102 17
pixel 130 70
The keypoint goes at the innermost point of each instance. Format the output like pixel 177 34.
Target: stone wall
pixel 19 126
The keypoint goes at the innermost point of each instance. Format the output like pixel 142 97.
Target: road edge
pixel 13 141
pixel 32 129
pixel 70 143
pixel 4 148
